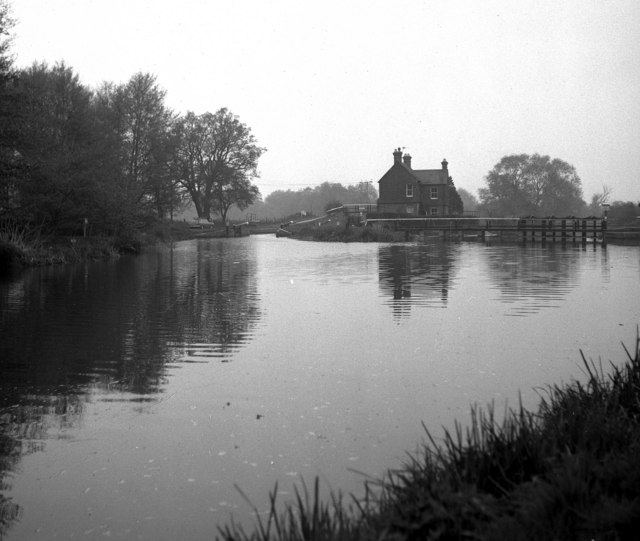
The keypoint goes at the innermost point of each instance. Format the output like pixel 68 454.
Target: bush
pixel 621 214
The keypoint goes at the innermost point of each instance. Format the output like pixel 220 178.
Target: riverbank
pixel 31 249
pixel 59 250
pixel 35 250
pixel 568 471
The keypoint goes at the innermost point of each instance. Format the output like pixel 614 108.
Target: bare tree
pixel 600 199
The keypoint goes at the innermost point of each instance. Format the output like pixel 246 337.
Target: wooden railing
pixel 542 229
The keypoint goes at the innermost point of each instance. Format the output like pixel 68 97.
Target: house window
pixel 434 192
pixel 409 190
pixel 434 210
pixel 410 209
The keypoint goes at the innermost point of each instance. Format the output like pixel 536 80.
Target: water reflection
pixel 109 332
pixel 119 374
pixel 535 277
pixel 411 274
pixel 526 279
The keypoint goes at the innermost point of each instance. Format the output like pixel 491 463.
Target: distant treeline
pixel 315 201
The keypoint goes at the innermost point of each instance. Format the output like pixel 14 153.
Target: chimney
pixel 445 163
pixel 406 159
pixel 397 155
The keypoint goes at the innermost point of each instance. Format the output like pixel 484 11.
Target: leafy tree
pixel 6 24
pixel 456 206
pixel 56 146
pixel 624 213
pixel 333 204
pixel 143 124
pixel 9 163
pixel 281 203
pixel 532 185
pixel 215 162
pixel 236 189
pixel 469 201
pixel 112 210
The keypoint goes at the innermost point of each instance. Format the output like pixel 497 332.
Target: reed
pixel 570 470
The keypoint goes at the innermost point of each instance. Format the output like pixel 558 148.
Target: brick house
pixel 414 192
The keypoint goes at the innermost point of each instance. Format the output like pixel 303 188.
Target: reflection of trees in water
pixel 533 277
pixel 416 274
pixel 10 511
pixel 23 429
pixel 10 453
pixel 112 327
pixel 217 298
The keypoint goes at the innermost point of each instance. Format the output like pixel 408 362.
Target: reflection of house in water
pixel 412 275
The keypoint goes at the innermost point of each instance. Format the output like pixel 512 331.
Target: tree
pixel 283 204
pixel 215 162
pixel 6 24
pixel 521 185
pixel 600 199
pixel 56 144
pixel 456 206
pixel 624 213
pixel 9 163
pixel 143 123
pixel 333 204
pixel 236 189
pixel 469 201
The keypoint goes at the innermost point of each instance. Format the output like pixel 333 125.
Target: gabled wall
pixel 392 190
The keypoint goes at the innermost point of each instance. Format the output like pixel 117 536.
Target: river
pixel 137 396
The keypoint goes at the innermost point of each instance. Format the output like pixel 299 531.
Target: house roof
pixel 429 176
pixel 422 176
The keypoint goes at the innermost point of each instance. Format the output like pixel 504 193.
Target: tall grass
pixel 569 471
pixel 21 236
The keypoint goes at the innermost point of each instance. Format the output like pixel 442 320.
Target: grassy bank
pixel 57 250
pixel 569 471
pixel 22 247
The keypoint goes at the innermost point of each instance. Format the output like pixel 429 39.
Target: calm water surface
pixel 135 395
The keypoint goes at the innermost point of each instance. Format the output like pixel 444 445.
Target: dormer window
pixel 409 190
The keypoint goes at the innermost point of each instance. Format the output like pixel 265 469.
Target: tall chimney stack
pixel 397 155
pixel 406 159
pixel 445 163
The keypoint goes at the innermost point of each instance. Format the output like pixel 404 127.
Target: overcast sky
pixel 330 88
